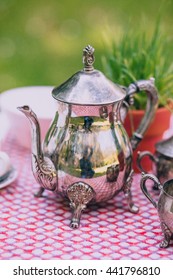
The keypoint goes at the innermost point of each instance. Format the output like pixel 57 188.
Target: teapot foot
pixel 79 194
pixel 164 243
pixel 77 211
pixel 167 235
pixel 40 192
pixel 127 192
pixel 134 208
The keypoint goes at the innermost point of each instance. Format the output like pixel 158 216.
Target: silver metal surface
pixel 43 168
pixel 162 159
pixel 80 195
pixel 164 205
pixel 151 106
pixel 86 146
pixel 88 58
pixel 165 147
pixel 89 86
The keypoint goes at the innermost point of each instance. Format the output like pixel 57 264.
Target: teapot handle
pixel 140 157
pixel 152 101
pixel 144 178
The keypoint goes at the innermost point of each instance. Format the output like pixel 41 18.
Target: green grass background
pixel 41 42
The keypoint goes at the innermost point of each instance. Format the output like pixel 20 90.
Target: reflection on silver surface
pixel 90 148
pixel 86 147
pixel 112 173
pixel 100 143
pixel 163 159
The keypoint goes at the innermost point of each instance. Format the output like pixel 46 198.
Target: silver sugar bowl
pixel 164 205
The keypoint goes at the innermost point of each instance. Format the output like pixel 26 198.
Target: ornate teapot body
pixel 163 159
pixel 164 205
pixel 87 154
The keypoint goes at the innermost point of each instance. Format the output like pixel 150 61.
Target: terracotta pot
pixel 158 126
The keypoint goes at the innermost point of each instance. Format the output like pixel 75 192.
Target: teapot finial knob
pixel 88 58
pixel 152 80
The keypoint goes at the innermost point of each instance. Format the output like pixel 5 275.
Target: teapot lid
pixel 88 86
pixel 165 147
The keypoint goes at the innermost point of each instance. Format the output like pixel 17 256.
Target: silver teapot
pixel 164 205
pixel 162 159
pixel 87 155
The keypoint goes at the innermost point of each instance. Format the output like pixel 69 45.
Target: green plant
pixel 135 57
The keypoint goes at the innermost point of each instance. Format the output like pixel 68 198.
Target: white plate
pixel 10 179
pixel 39 98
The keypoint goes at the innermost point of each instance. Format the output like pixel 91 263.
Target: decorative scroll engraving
pixel 103 112
pixel 127 191
pixel 112 173
pixel 167 235
pixel 79 194
pixel 128 183
pixel 88 58
pixel 45 173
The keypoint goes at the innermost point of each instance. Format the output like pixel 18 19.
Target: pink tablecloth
pixel 38 228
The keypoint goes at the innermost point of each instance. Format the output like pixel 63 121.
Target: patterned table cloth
pixel 38 228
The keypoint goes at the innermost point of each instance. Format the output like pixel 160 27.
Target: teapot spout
pixel 35 129
pixel 43 168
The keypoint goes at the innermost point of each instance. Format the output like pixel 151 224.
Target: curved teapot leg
pixel 79 194
pixel 167 236
pixel 164 243
pixel 40 192
pixel 127 192
pixel 77 211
